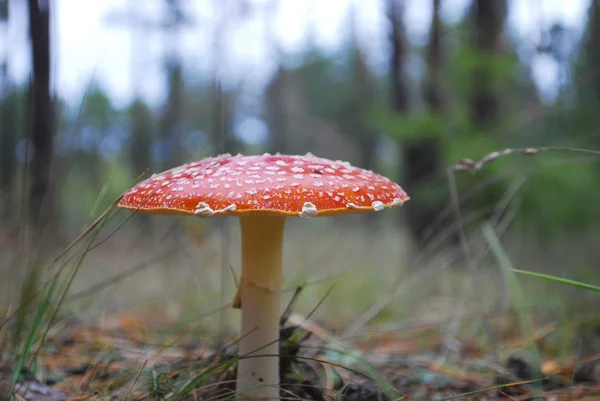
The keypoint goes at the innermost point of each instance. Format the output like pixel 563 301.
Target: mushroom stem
pixel 262 244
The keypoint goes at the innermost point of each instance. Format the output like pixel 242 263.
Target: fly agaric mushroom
pixel 263 191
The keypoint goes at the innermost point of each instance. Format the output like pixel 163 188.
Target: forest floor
pixel 120 331
pixel 121 358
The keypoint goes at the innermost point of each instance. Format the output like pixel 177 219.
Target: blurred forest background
pixel 402 106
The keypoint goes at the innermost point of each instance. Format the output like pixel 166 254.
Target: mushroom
pixel 263 191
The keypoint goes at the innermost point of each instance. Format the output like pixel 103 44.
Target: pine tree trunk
pixel 400 87
pixel 8 146
pixel 423 157
pixel 141 137
pixel 171 123
pixel 277 112
pixel 42 114
pixel 365 134
pixel 223 139
pixel 592 49
pixel 489 18
pixel 141 126
pixel 8 127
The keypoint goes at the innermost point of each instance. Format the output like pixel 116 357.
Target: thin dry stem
pixel 472 166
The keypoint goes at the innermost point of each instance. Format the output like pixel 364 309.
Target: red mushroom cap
pixel 269 184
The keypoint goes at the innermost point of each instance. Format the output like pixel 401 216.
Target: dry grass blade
pixel 123 275
pixel 137 376
pixel 88 230
pixel 97 222
pixel 91 229
pixel 473 166
pixel 497 387
pixel 288 310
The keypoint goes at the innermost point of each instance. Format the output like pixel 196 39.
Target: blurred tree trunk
pixel 400 90
pixel 399 80
pixel 489 18
pixel 591 47
pixel 362 102
pixel 222 120
pixel 423 157
pixel 42 114
pixel 8 126
pixel 171 122
pixel 357 124
pixel 434 94
pixel 585 74
pixel 141 137
pixel 141 126
pixel 222 124
pixel 277 116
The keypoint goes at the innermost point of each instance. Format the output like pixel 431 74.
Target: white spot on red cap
pixel 378 206
pixel 397 202
pixel 230 208
pixel 308 210
pixel 203 210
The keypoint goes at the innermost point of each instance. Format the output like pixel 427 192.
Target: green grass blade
pixel 78 263
pixel 558 280
pixel 366 369
pixel 99 199
pixel 514 286
pixel 205 376
pixel 34 332
pixel 516 292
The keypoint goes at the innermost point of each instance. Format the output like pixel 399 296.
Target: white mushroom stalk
pixel 258 368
